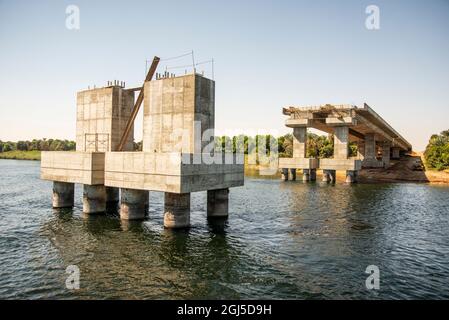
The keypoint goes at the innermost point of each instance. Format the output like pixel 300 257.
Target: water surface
pixel 282 240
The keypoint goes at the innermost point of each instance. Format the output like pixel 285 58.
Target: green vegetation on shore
pixel 437 151
pixel 21 155
pixel 31 150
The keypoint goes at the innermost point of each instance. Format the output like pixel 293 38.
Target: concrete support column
pixel 177 210
pixel 351 176
pixel 341 139
pixel 329 176
pixel 94 198
pixel 292 176
pixel 299 142
pixel 133 204
pixel 112 197
pixel 284 174
pixel 370 147
pixel 395 153
pixel 218 203
pixel 386 145
pixel 63 194
pixel 305 175
pixel 360 149
pixel 312 174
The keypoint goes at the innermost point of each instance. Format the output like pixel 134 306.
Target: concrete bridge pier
pixel 395 153
pixel 134 204
pixel 312 173
pixel 284 174
pixel 292 175
pixel 305 175
pixel 351 176
pixel 386 146
pixel 112 197
pixel 329 176
pixel 218 203
pixel 177 210
pixel 63 194
pixel 94 198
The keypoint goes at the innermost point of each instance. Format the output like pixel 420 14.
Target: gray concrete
pixel 112 197
pixel 312 174
pixel 94 199
pixel 133 204
pixel 305 175
pixel 284 174
pixel 341 139
pixel 176 113
pixel 292 174
pixel 63 194
pixel 395 153
pixel 177 210
pixel 329 176
pixel 386 146
pixel 351 176
pixel 218 203
pixel 101 118
pixel 299 142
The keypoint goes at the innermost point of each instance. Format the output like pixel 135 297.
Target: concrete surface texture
pixel 177 111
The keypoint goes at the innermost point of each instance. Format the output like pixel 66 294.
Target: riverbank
pixel 21 155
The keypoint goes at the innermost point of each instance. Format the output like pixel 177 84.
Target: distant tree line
pixel 318 146
pixel 437 151
pixel 38 144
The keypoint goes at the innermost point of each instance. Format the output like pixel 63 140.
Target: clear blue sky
pixel 268 54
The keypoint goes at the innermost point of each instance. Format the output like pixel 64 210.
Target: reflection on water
pixel 282 240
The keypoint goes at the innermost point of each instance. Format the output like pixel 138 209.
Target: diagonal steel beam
pixel 139 100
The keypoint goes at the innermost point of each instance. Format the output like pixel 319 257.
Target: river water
pixel 282 240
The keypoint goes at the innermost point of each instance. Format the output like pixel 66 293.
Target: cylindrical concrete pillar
pixel 218 203
pixel 292 176
pixel 329 175
pixel 351 176
pixel 305 175
pixel 94 198
pixel 284 174
pixel 63 194
pixel 312 174
pixel 177 210
pixel 333 176
pixel 133 204
pixel 112 197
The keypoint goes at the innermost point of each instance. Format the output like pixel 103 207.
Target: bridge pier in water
pixel 176 210
pixel 63 194
pixel 94 198
pixel 133 204
pixel 217 203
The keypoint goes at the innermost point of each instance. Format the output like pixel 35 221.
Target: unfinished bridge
pixel 346 123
